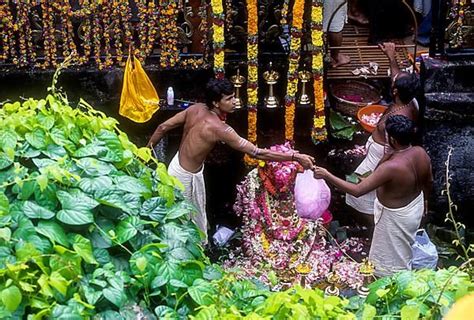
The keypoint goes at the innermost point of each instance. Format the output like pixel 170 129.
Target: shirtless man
pixel 402 182
pixel 404 87
pixel 204 126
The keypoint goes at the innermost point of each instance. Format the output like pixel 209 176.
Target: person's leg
pixel 338 58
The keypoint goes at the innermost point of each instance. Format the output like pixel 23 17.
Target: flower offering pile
pixel 278 246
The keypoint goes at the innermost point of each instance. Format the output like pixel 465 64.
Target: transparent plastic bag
pixel 312 196
pixel 425 254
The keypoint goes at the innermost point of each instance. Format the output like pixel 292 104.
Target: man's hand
pixel 305 160
pixel 320 173
pixel 388 48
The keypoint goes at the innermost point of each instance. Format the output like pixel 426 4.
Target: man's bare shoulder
pixel 197 107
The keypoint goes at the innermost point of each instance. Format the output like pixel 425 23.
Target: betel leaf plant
pixel 87 228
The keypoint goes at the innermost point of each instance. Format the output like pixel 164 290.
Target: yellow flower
pixel 252 96
pixel 253 74
pixel 317 61
pixel 319 122
pixel 252 51
pixel 219 60
pixel 317 14
pixel 317 38
pixel 217 6
pixel 218 33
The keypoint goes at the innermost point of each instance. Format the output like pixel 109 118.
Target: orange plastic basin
pixel 376 108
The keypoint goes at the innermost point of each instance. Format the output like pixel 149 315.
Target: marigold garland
pixel 294 58
pixel 318 132
pixel 218 37
pixel 252 83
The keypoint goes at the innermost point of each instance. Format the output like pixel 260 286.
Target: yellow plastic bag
pixel 139 100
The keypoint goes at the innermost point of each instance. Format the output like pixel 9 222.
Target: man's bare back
pixel 198 136
pixel 409 173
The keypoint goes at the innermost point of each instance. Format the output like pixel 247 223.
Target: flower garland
pixel 294 58
pixel 49 30
pixel 252 83
pixel 218 40
pixel 169 55
pixel 318 132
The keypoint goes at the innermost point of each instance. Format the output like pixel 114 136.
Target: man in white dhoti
pixel 404 89
pixel 402 184
pixel 204 126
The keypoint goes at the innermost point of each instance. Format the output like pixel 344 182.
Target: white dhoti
pixel 337 23
pixel 365 203
pixel 194 191
pixel 394 234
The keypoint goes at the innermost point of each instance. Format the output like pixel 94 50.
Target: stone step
pixel 447 76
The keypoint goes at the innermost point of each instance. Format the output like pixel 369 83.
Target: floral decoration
pixel 318 132
pixel 294 58
pixel 252 83
pixel 218 37
pixel 169 55
pixel 276 239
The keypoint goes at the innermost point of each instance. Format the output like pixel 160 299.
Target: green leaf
pixel 92 185
pixel 180 209
pixel 180 254
pixel 84 248
pixel 57 281
pixel 128 202
pixel 8 139
pixel 58 136
pixel 76 207
pixel 4 204
pixel 369 312
pixel 94 167
pixel 202 292
pixel 111 140
pixel 127 229
pixel 11 298
pixel 37 138
pixel 410 312
pixel 45 121
pixel 35 211
pixel 165 312
pixel 54 152
pixel 155 208
pixel 115 295
pixel 131 184
pixel 212 273
pixel 5 161
pixel 93 149
pixel 42 181
pixel 5 234
pixel 53 232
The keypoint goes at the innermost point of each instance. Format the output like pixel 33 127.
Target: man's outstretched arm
pixel 173 122
pixel 231 138
pixel 380 176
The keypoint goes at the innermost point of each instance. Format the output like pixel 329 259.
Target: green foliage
pixel 230 299
pixel 340 127
pixel 86 227
pixel 423 294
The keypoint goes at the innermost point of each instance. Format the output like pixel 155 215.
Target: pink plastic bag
pixel 312 196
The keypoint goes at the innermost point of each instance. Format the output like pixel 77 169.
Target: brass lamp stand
pixel 271 78
pixel 238 80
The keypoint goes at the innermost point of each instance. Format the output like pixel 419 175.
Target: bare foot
pixel 340 60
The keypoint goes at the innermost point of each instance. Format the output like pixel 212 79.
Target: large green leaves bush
pixel 86 227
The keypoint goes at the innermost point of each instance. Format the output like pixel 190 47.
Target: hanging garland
pixel 294 58
pixel 318 132
pixel 218 37
pixel 169 55
pixel 252 83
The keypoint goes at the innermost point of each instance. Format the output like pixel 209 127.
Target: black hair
pixel 401 128
pixel 216 89
pixel 407 85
